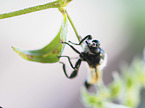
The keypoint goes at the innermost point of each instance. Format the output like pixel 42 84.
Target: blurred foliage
pixel 135 14
pixel 125 89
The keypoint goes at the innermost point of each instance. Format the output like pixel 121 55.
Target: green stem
pixel 73 26
pixel 55 4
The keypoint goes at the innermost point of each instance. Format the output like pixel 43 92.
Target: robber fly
pixel 93 54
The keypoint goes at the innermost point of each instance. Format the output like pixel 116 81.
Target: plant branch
pixel 55 4
pixel 78 37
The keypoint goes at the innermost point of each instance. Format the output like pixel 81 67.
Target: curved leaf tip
pixel 49 53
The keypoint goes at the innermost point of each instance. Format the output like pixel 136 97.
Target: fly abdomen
pixel 94 75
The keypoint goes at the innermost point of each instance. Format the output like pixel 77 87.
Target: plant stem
pixel 73 26
pixel 55 4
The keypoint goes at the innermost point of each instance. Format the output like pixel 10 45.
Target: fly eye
pixel 94 44
pixel 96 41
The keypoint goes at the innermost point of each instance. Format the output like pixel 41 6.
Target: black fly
pixel 93 55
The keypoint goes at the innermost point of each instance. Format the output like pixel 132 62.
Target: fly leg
pixel 76 67
pixel 72 47
pixel 87 37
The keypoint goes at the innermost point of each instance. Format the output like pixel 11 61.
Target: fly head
pixel 94 46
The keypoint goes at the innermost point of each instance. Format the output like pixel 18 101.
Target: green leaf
pixel 50 53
